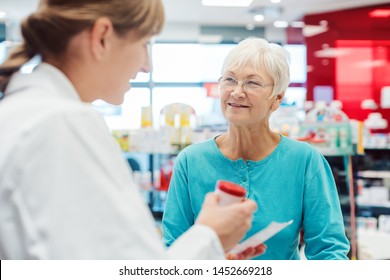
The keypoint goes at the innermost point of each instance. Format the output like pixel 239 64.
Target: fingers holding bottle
pixel 230 222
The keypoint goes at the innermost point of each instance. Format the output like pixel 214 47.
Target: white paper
pixel 260 237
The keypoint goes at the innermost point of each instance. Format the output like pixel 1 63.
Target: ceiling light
pixel 297 24
pixel 227 3
pixel 331 52
pixel 312 30
pixel 258 17
pixel 268 11
pixel 276 1
pixel 2 14
pixel 380 13
pixel 371 63
pixel 324 23
pixel 280 24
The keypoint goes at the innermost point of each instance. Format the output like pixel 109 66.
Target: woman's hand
pixel 247 254
pixel 230 222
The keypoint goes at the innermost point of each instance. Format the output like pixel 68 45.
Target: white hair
pixel 259 53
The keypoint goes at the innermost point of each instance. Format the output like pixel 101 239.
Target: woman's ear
pixel 277 101
pixel 100 37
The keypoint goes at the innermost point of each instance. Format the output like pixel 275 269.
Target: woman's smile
pixel 236 105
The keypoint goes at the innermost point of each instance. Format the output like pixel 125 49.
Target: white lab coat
pixel 66 191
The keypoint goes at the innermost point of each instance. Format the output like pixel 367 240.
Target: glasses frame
pixel 244 84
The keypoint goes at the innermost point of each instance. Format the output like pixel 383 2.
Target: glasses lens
pixel 227 82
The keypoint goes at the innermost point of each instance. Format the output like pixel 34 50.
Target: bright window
pixel 176 63
pixel 178 73
pixel 188 62
pixel 129 116
pixel 297 63
pixel 212 57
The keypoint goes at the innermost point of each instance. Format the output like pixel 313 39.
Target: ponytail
pixel 18 56
pixel 48 31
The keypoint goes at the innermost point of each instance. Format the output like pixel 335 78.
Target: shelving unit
pixel 376 243
pixel 349 172
pixel 373 176
pixel 373 172
pixel 329 130
pixel 148 176
pixel 342 167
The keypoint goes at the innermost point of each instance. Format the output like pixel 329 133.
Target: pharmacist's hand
pixel 247 254
pixel 230 222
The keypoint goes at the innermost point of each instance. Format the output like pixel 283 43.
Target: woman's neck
pixel 247 144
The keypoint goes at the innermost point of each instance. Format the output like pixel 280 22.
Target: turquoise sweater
pixel 295 183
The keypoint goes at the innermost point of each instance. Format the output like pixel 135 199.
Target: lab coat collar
pixel 45 76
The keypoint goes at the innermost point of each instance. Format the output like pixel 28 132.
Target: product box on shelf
pixel 329 129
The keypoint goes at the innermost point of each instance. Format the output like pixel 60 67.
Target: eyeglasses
pixel 230 83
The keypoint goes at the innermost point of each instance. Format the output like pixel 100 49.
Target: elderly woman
pixel 288 179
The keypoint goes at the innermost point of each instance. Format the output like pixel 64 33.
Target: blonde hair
pixel 49 30
pixel 259 53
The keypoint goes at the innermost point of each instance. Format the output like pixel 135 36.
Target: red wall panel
pixel 352 56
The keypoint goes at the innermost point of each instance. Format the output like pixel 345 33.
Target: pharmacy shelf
pixel 373 210
pixel 374 174
pixel 376 244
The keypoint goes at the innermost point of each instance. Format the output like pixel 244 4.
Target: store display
pixel 165 175
pixel 177 120
pixel 329 129
pixel 146 117
pixel 286 121
pixel 122 137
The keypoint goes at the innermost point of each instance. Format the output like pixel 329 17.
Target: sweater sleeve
pixel 178 215
pixel 323 226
